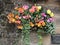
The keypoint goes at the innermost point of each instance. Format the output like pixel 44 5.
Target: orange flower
pixel 20 27
pixel 31 24
pixel 17 17
pixel 10 15
pixel 42 23
pixel 21 10
pixel 38 24
pixel 12 20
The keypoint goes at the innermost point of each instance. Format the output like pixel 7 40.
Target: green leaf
pixel 26 26
pixel 23 21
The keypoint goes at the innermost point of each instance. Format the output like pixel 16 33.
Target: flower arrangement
pixel 26 17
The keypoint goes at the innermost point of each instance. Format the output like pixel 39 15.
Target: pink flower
pixel 43 14
pixel 27 17
pixel 25 7
pixel 32 10
pixel 41 21
pixel 50 20
pixel 33 7
pixel 24 17
pixel 18 21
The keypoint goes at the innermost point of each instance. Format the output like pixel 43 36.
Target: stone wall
pixel 11 37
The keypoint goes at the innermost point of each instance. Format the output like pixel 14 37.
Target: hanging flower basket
pixel 27 17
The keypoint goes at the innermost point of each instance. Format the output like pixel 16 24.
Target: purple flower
pixel 43 14
pixel 25 7
pixel 50 20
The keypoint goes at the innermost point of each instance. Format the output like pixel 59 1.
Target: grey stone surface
pixel 9 37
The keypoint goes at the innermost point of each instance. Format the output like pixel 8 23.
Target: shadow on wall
pixel 36 1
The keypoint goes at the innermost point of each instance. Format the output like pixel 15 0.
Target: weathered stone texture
pixel 8 37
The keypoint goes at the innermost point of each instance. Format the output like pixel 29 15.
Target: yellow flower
pixel 13 20
pixel 20 27
pixel 52 14
pixel 48 11
pixel 39 8
pixel 31 24
pixel 39 25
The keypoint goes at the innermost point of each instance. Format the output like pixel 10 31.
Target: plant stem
pixel 26 37
pixel 39 38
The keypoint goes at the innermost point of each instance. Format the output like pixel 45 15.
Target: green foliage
pixel 26 37
pixel 39 37
pixel 26 26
